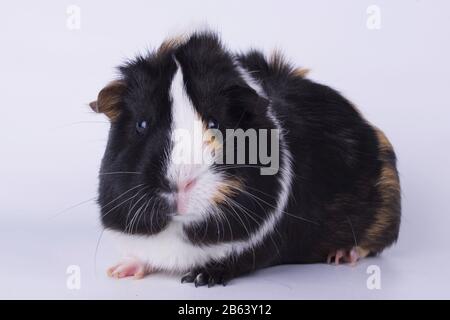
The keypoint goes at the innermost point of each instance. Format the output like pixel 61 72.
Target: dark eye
pixel 213 124
pixel 141 126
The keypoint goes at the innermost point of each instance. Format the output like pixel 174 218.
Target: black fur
pixel 337 163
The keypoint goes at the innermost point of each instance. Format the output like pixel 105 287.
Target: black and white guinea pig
pixel 333 195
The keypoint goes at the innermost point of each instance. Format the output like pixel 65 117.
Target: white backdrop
pixel 51 144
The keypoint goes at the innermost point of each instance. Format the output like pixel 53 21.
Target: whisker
pixel 246 211
pixel 96 249
pixel 134 221
pixel 119 172
pixel 142 212
pixel 262 192
pixel 78 122
pixel 285 212
pixel 251 214
pixel 243 224
pixel 240 219
pixel 129 225
pixel 134 205
pixel 151 215
pixel 274 228
pixel 353 231
pixel 235 166
pixel 72 207
pixel 121 195
pixel 224 216
pixel 126 200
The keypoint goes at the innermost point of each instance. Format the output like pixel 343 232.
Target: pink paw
pixel 347 256
pixel 129 267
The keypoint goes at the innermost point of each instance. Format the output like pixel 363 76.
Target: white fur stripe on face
pixel 186 131
pixel 189 158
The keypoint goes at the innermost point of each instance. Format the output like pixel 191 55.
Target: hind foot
pixel 347 256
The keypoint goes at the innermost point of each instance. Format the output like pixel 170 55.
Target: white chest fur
pixel 170 250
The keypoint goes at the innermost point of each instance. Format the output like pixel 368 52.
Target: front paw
pixel 129 267
pixel 206 276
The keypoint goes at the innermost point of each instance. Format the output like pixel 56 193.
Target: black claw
pixel 211 282
pixel 205 277
pixel 200 280
pixel 188 278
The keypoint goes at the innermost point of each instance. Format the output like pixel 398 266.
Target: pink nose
pixel 184 188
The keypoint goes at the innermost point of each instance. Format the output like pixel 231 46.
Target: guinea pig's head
pixel 170 156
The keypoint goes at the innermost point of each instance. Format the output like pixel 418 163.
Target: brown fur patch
pixel 362 253
pixel 389 189
pixel 384 144
pixel 276 60
pixel 108 100
pixel 300 72
pixel 170 44
pixel 384 229
pixel 229 188
pixel 211 140
pixel 278 64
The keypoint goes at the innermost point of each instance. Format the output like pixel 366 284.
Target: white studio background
pixel 56 55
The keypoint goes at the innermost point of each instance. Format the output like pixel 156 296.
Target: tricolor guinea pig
pixel 218 164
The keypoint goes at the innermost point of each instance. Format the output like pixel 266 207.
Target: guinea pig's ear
pixel 109 99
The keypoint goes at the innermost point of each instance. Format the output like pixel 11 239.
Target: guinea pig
pixel 318 184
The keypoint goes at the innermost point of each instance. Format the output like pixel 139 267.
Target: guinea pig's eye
pixel 213 124
pixel 141 126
